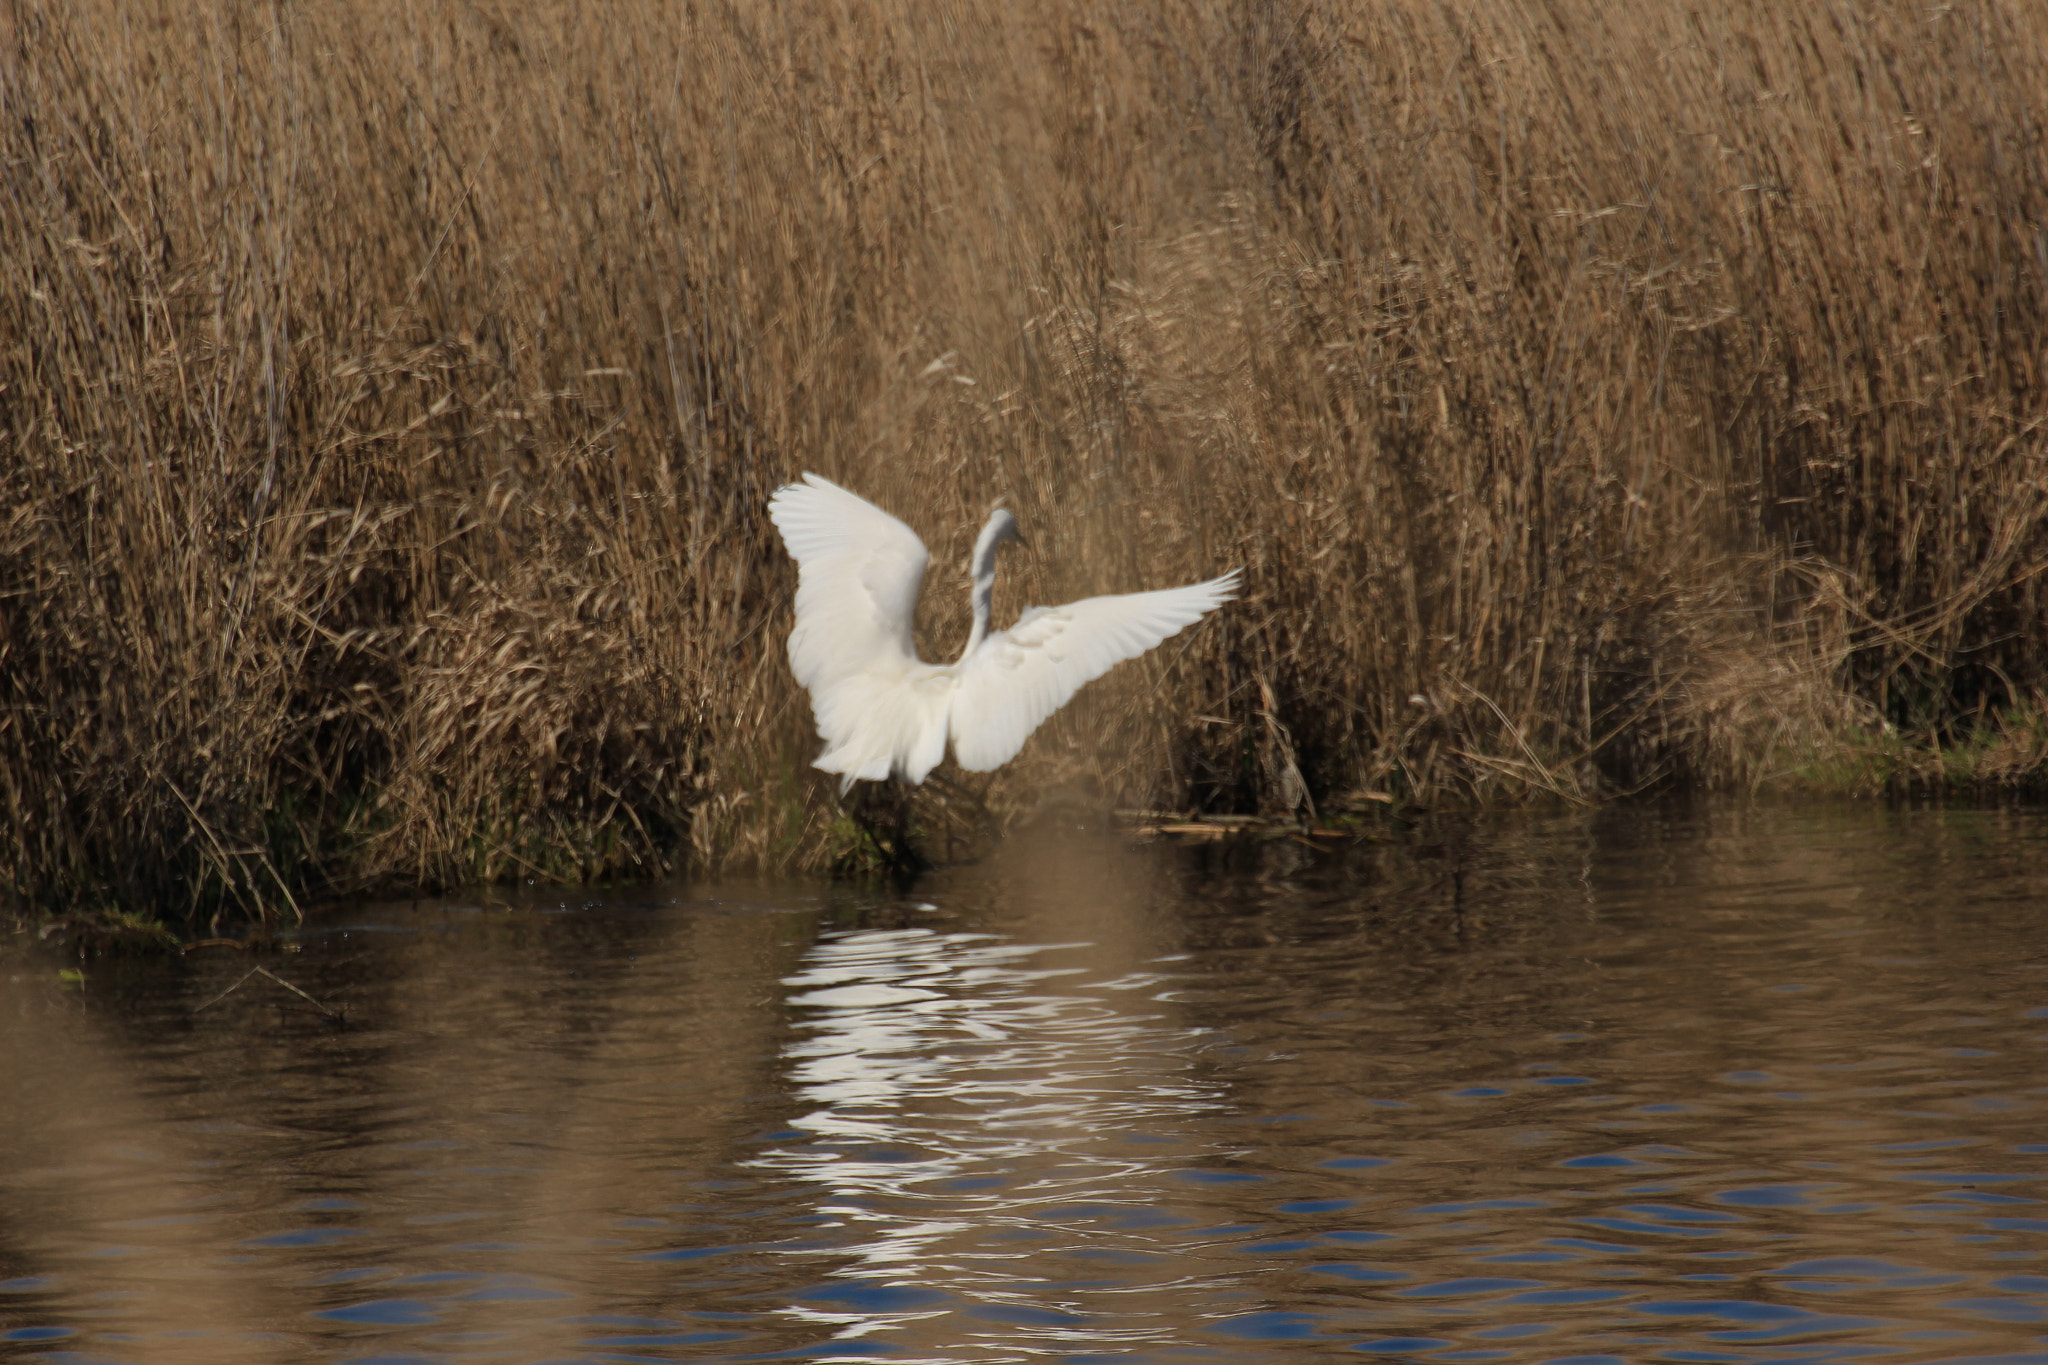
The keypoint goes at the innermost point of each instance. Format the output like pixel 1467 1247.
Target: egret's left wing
pixel 1022 675
pixel 858 574
pixel 878 709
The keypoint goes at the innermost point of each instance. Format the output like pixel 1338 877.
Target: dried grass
pixel 389 395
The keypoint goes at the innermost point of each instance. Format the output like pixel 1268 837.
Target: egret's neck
pixel 1000 526
pixel 984 590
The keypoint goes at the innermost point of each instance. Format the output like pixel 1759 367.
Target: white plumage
pixel 880 709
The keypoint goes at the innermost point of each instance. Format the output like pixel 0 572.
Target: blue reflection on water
pixel 384 1313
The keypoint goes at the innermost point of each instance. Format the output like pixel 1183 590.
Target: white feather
pixel 880 709
pixel 1022 675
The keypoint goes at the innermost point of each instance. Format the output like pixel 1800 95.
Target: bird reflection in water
pixel 994 1122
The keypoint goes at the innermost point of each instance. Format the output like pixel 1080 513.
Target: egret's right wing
pixel 858 574
pixel 1022 675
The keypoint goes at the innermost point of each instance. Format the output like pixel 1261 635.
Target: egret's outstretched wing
pixel 858 574
pixel 1024 674
pixel 859 569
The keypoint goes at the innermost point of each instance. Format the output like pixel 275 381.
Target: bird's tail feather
pixel 877 726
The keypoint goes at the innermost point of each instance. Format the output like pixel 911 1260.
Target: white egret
pixel 880 709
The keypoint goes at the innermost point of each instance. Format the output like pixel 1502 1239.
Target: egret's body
pixel 883 711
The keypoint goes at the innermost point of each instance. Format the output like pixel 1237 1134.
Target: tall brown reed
pixel 389 393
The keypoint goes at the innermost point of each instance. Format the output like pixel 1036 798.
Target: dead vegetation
pixel 1598 397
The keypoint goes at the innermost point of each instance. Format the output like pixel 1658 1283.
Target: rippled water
pixel 1718 1085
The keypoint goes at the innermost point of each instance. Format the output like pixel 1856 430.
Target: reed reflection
pixel 109 1209
pixel 1785 1057
pixel 518 1102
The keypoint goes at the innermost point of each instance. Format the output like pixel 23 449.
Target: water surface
pixel 1672 1085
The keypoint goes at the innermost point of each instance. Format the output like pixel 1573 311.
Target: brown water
pixel 1717 1085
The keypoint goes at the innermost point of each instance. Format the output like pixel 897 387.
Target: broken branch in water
pixel 332 1016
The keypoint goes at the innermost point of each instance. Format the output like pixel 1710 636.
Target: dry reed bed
pixel 389 394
